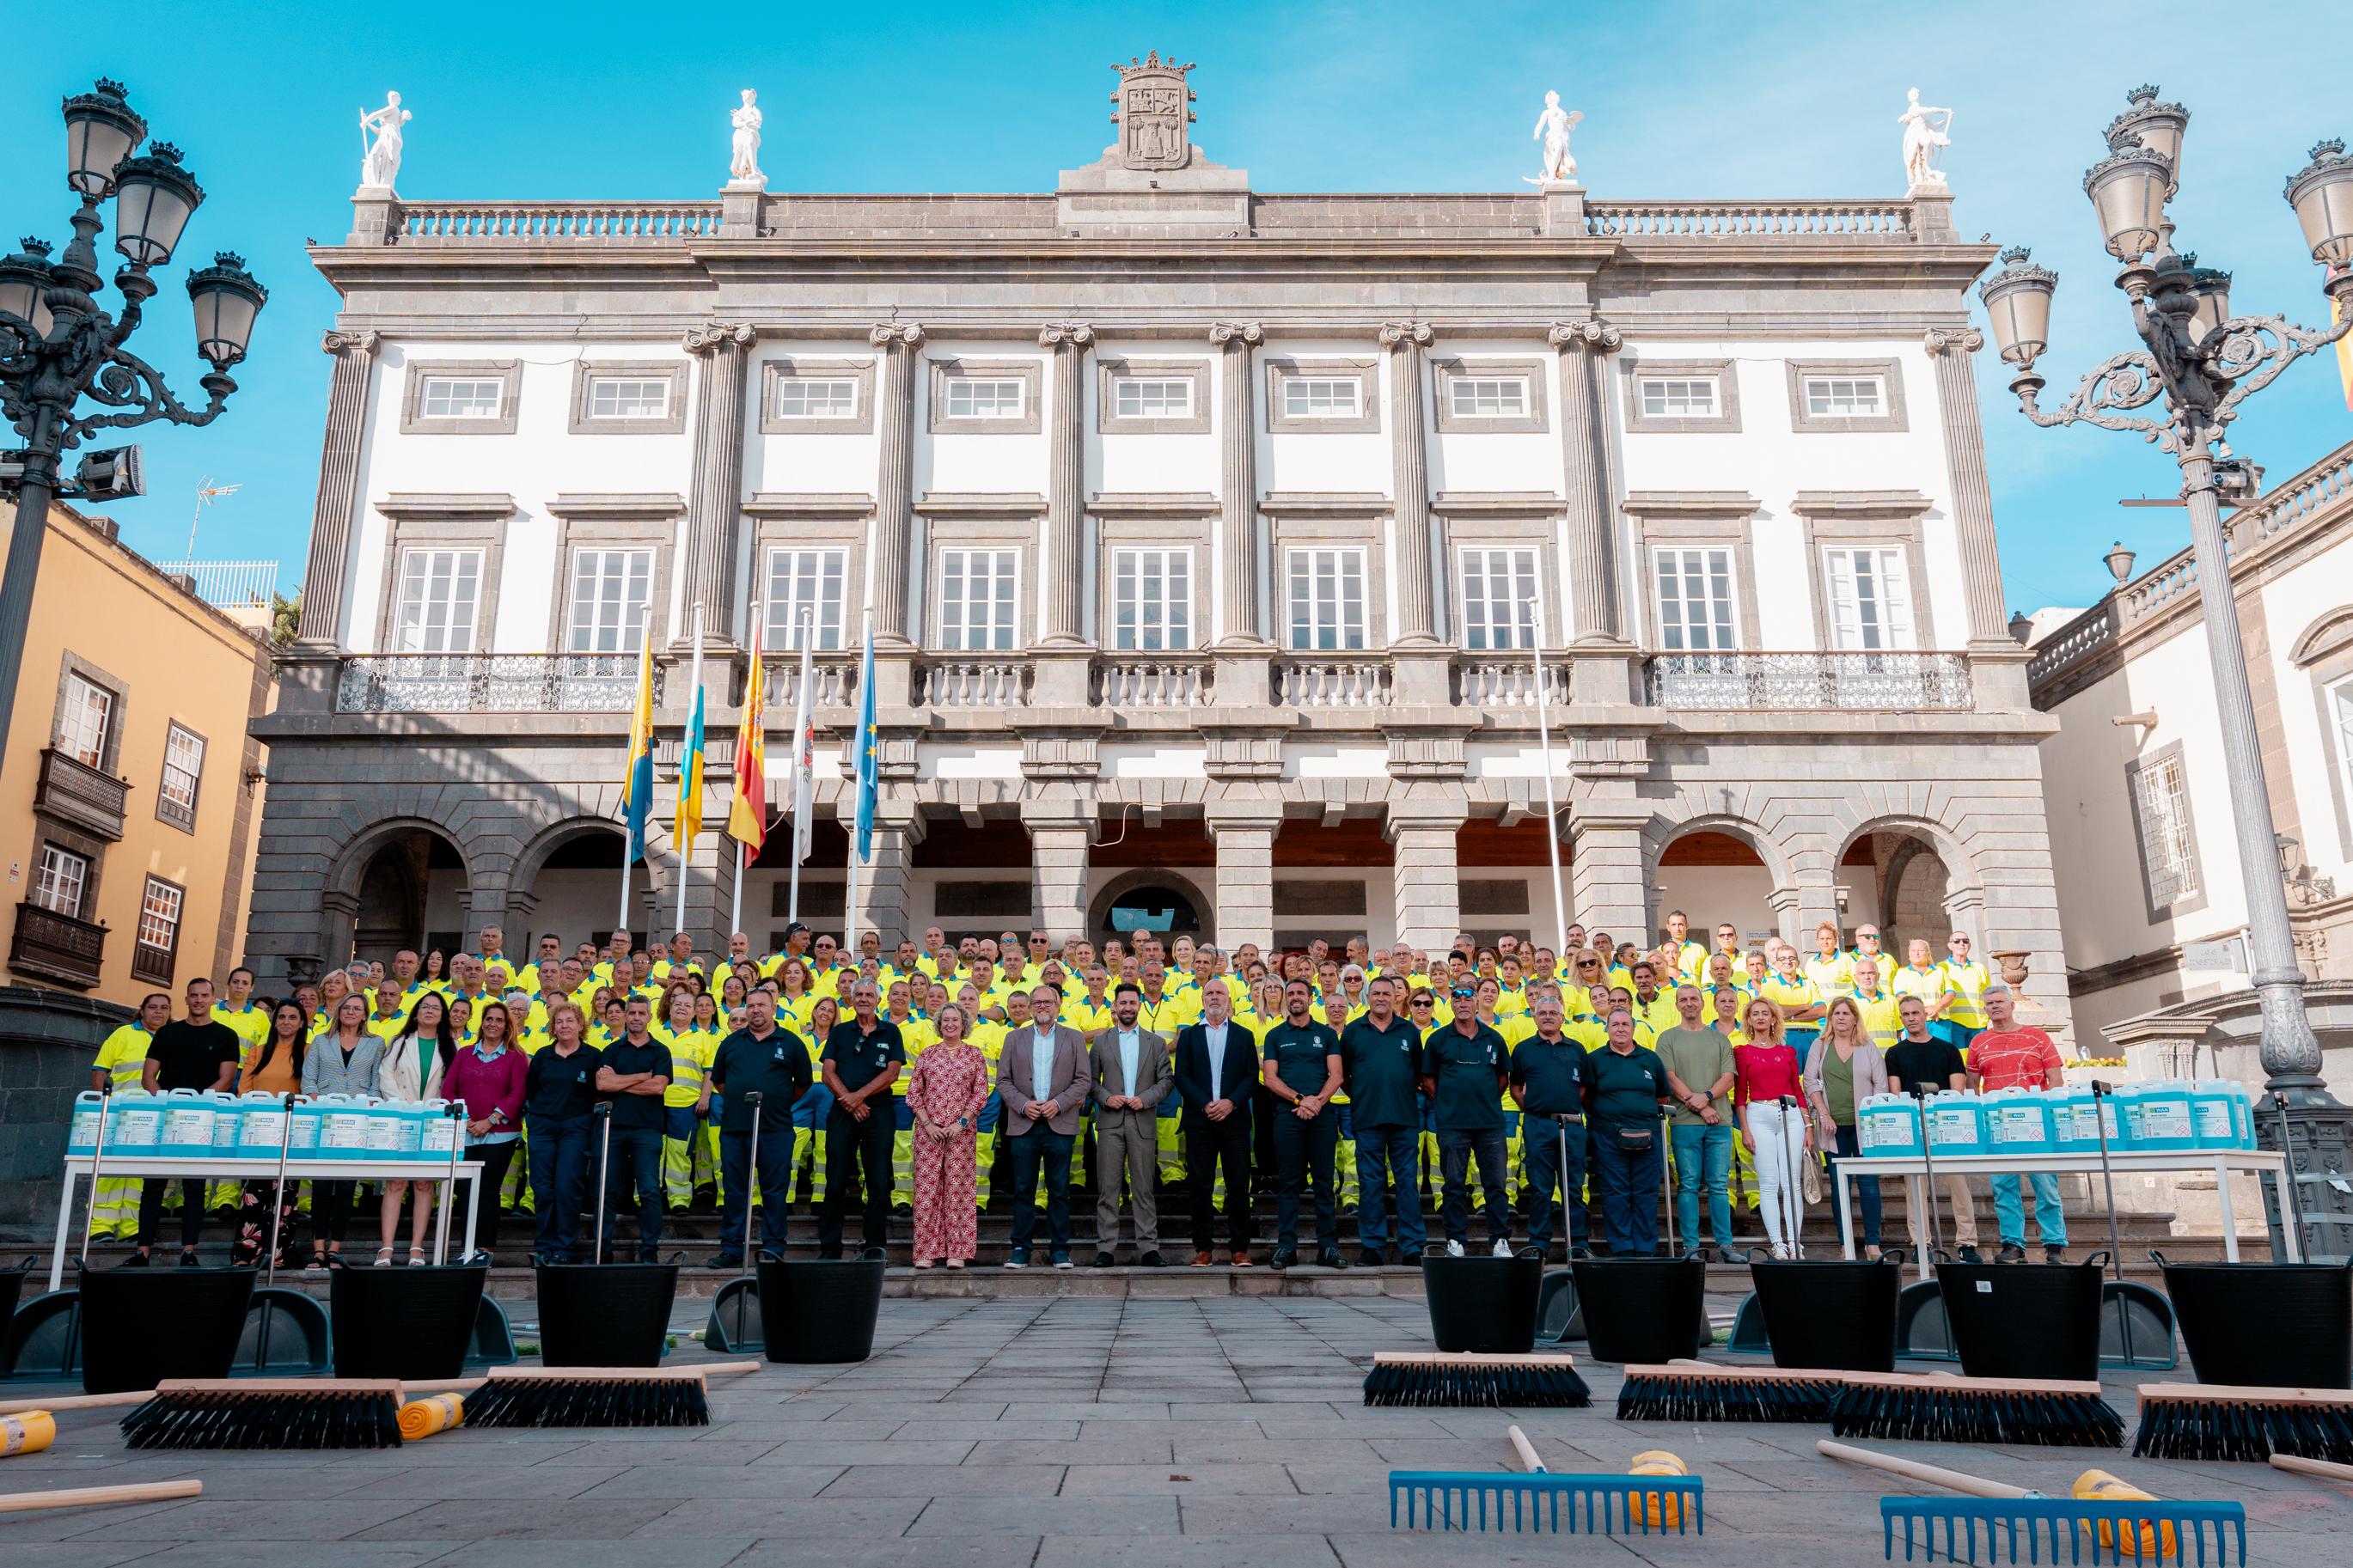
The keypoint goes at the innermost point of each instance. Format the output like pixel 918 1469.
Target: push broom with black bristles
pixel 1697 1391
pixel 2046 1414
pixel 597 1396
pixel 2216 1421
pixel 268 1412
pixel 1459 1379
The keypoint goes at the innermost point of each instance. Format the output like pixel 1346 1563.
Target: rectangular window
pixel 59 884
pixel 978 599
pixel 439 601
pixel 1327 599
pixel 978 398
pixel 1487 397
pixel 804 581
pixel 829 397
pixel 2168 851
pixel 1870 600
pixel 1151 599
pixel 1679 397
pixel 183 767
pixel 1323 397
pixel 2340 716
pixel 1845 397
pixel 462 397
pixel 1695 613
pixel 157 949
pixel 628 397
pixel 84 720
pixel 610 590
pixel 1141 397
pixel 1500 608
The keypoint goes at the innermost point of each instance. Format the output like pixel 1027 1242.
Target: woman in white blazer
pixel 411 1070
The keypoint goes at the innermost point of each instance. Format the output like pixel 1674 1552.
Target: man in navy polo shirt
pixel 1463 1070
pixel 1548 1081
pixel 1302 1072
pixel 1381 1054
pixel 772 1062
pixel 863 1058
pixel 631 1076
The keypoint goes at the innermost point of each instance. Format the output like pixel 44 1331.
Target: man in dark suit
pixel 1216 1069
pixel 1042 1081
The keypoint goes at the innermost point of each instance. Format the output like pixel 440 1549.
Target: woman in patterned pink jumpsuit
pixel 944 1096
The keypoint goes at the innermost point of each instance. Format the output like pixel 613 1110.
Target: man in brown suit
pixel 1131 1075
pixel 1041 1080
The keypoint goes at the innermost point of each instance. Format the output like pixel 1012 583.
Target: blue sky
pixel 1681 100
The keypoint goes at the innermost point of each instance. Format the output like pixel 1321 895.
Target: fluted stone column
pixel 1592 564
pixel 1416 616
pixel 1424 873
pixel 1965 466
pixel 1059 834
pixel 1067 571
pixel 1244 832
pixel 894 484
pixel 1238 586
pixel 321 627
pixel 714 503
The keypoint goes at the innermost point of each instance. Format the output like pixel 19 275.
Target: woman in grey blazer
pixel 342 1061
pixel 1844 1070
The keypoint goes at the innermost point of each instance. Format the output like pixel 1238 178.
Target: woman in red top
pixel 1776 1136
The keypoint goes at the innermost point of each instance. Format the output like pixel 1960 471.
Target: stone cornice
pixel 814 503
pixel 991 503
pixel 419 503
pixel 649 504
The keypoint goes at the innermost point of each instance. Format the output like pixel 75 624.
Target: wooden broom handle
pixel 74 1402
pixel 1912 1470
pixel 2321 1467
pixel 1522 1457
pixel 93 1496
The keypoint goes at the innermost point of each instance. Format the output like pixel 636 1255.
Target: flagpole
pixel 802 784
pixel 646 631
pixel 1552 802
pixel 850 901
pixel 694 688
pixel 743 861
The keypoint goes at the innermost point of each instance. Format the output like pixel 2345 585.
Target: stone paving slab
pixel 1227 1433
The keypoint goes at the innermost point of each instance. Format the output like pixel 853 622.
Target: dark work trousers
pixel 1041 1146
pixel 1626 1180
pixel 1456 1150
pixel 775 1162
pixel 1542 1140
pixel 1209 1147
pixel 1303 1153
pixel 860 1150
pixel 559 1182
pixel 495 1158
pixel 1388 1187
pixel 330 1211
pixel 635 1167
pixel 152 1193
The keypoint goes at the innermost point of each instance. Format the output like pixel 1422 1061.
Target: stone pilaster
pixel 1417 616
pixel 1243 831
pixel 321 626
pixel 1608 882
pixel 883 881
pixel 1238 583
pixel 715 505
pixel 1066 571
pixel 1423 874
pixel 894 494
pixel 1998 665
pixel 710 874
pixel 1592 565
pixel 1059 834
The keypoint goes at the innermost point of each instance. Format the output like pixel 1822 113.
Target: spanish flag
pixel 747 818
pixel 637 776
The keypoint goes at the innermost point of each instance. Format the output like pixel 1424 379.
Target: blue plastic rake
pixel 1460 1500
pixel 2157 1530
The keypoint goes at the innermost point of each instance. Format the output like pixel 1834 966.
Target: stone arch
pixel 534 857
pixel 1894 898
pixel 1183 881
pixel 1758 907
pixel 1663 830
pixel 375 891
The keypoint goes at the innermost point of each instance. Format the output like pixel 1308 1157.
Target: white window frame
pixel 1870 599
pixel 2338 696
pixel 457 634
pixel 183 758
pixel 994 408
pixel 1151 599
pixel 1674 563
pixel 1314 397
pixel 606 402
pixel 1674 396
pixel 443 389
pixel 86 720
pixel 61 880
pixel 1489 625
pixel 1327 598
pixel 1805 375
pixel 1150 397
pixel 1487 397
pixel 162 906
pixel 1641 375
pixel 996 627
pixel 811 577
pixel 838 394
pixel 2165 832
pixel 631 568
pixel 1837 397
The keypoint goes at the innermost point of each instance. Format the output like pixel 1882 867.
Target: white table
pixel 435 1172
pixel 2224 1163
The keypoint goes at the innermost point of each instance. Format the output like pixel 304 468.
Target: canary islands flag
pixel 638 777
pixel 688 821
pixel 870 748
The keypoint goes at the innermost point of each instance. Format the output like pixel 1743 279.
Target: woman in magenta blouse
pixel 1765 1071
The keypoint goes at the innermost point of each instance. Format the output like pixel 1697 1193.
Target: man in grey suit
pixel 1041 1081
pixel 1131 1076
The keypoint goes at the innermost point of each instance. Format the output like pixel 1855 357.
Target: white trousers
pixel 1777 1139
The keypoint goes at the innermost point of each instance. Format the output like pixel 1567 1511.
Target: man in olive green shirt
pixel 1699 1077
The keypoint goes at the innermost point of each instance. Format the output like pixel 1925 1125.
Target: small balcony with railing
pixel 56 947
pixel 490 683
pixel 1801 682
pixel 73 791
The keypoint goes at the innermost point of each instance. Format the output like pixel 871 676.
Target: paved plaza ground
pixel 1038 1432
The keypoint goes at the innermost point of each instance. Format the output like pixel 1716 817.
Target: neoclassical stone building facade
pixel 1205 531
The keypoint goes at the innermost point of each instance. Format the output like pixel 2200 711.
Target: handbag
pixel 1810 1177
pixel 1636 1140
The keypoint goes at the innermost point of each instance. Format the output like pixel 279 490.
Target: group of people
pixel 952 1067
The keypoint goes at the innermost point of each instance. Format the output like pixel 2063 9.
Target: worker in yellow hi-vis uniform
pixel 251 1021
pixel 809 1116
pixel 1163 1013
pixel 915 1033
pixel 990 1037
pixel 121 1065
pixel 691 1050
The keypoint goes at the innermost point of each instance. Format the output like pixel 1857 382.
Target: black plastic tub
pixel 2264 1325
pixel 2024 1321
pixel 414 1325
pixel 1831 1316
pixel 1642 1310
pixel 604 1314
pixel 140 1327
pixel 819 1311
pixel 1482 1305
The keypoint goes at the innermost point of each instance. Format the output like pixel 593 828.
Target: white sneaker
pixel 1503 1249
pixel 1453 1249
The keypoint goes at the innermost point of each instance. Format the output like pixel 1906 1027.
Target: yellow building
pixel 130 790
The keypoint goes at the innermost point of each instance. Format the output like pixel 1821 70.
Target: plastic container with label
pixel 135 1129
pixel 1956 1126
pixel 436 1133
pixel 396 1132
pixel 2214 1113
pixel 260 1126
pixel 2071 1119
pixel 2165 1121
pixel 189 1117
pixel 226 1126
pixel 1887 1125
pixel 304 1143
pixel 345 1122
pixel 2018 1121
pixel 81 1131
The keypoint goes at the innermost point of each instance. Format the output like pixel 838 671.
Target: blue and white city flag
pixel 870 748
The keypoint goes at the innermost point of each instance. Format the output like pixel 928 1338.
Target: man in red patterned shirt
pixel 2007 1055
